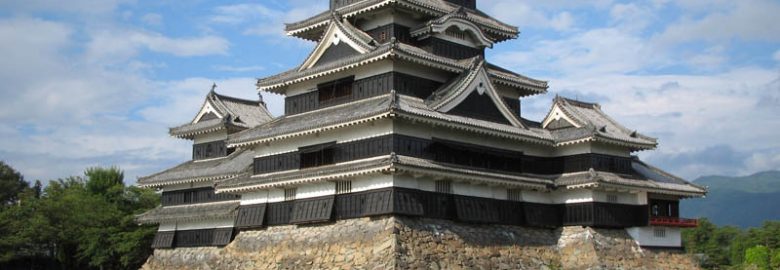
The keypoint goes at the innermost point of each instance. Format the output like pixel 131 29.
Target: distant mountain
pixel 740 201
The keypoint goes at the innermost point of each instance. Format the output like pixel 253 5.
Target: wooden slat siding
pixel 578 214
pixel 279 162
pixel 474 209
pixel 439 205
pixel 385 33
pixel 163 239
pixel 208 150
pixel 408 202
pixel 250 216
pixel 312 210
pixel 542 215
pixel 363 204
pixel 364 88
pixel 449 49
pixel 195 195
pixel 510 212
pixel 279 213
pixel 457 153
pixel 222 236
pixel 411 85
pixel 194 238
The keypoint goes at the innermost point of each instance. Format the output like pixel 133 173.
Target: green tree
pixel 775 260
pixel 11 184
pixel 757 256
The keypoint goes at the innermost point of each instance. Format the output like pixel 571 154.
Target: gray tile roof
pixel 201 170
pixel 301 176
pixel 595 123
pixel 377 165
pixel 394 50
pixel 512 79
pixel 312 27
pixel 646 177
pixel 237 114
pixel 323 118
pixel 204 211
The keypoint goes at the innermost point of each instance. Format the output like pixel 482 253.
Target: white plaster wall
pixel 405 181
pixel 366 130
pixel 641 198
pixel 499 193
pixel 623 197
pixel 204 224
pixel 166 227
pixel 464 188
pixel 275 195
pixel 645 236
pixel 572 196
pixel 426 184
pixel 188 186
pixel 536 196
pixel 210 137
pixel 315 190
pixel 370 182
pixel 254 197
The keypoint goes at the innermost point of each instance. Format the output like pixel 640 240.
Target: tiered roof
pixel 313 27
pixel 220 112
pixel 194 171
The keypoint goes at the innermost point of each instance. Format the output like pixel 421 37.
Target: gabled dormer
pixel 340 40
pixel 454 27
pixel 572 121
pixel 472 94
pixel 218 117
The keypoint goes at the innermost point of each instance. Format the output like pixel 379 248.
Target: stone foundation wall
pixel 416 243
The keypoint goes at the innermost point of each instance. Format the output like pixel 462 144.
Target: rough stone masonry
pixel 393 242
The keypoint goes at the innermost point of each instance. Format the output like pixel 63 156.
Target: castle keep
pixel 398 132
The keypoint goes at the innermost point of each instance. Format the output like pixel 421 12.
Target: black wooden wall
pixel 404 84
pixel 209 150
pixel 454 153
pixel 195 195
pixel 385 33
pixel 480 107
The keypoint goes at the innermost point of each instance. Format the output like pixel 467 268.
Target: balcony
pixel 674 222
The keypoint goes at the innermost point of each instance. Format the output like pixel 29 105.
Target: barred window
pixel 289 194
pixel 514 195
pixel 659 232
pixel 343 187
pixel 444 186
pixel 612 198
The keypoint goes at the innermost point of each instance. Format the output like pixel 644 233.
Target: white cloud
pixel 746 20
pixel 776 56
pixel 261 20
pixel 152 19
pixel 238 69
pixel 94 7
pixel 119 45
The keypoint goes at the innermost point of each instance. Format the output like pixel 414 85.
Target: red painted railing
pixel 674 222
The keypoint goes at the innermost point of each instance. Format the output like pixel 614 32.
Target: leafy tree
pixel 11 184
pixel 775 260
pixel 757 256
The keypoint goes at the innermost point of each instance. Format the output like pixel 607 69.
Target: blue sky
pixel 98 82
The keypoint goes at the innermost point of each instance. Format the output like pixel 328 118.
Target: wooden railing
pixel 674 222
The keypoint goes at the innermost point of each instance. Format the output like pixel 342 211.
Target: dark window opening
pixel 317 155
pixel 333 92
pixel 664 208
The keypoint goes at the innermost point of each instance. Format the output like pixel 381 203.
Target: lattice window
pixel 444 186
pixel 659 232
pixel 514 195
pixel 612 198
pixel 290 193
pixel 343 187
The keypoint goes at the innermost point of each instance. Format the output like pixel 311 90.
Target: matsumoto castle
pixel 396 112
